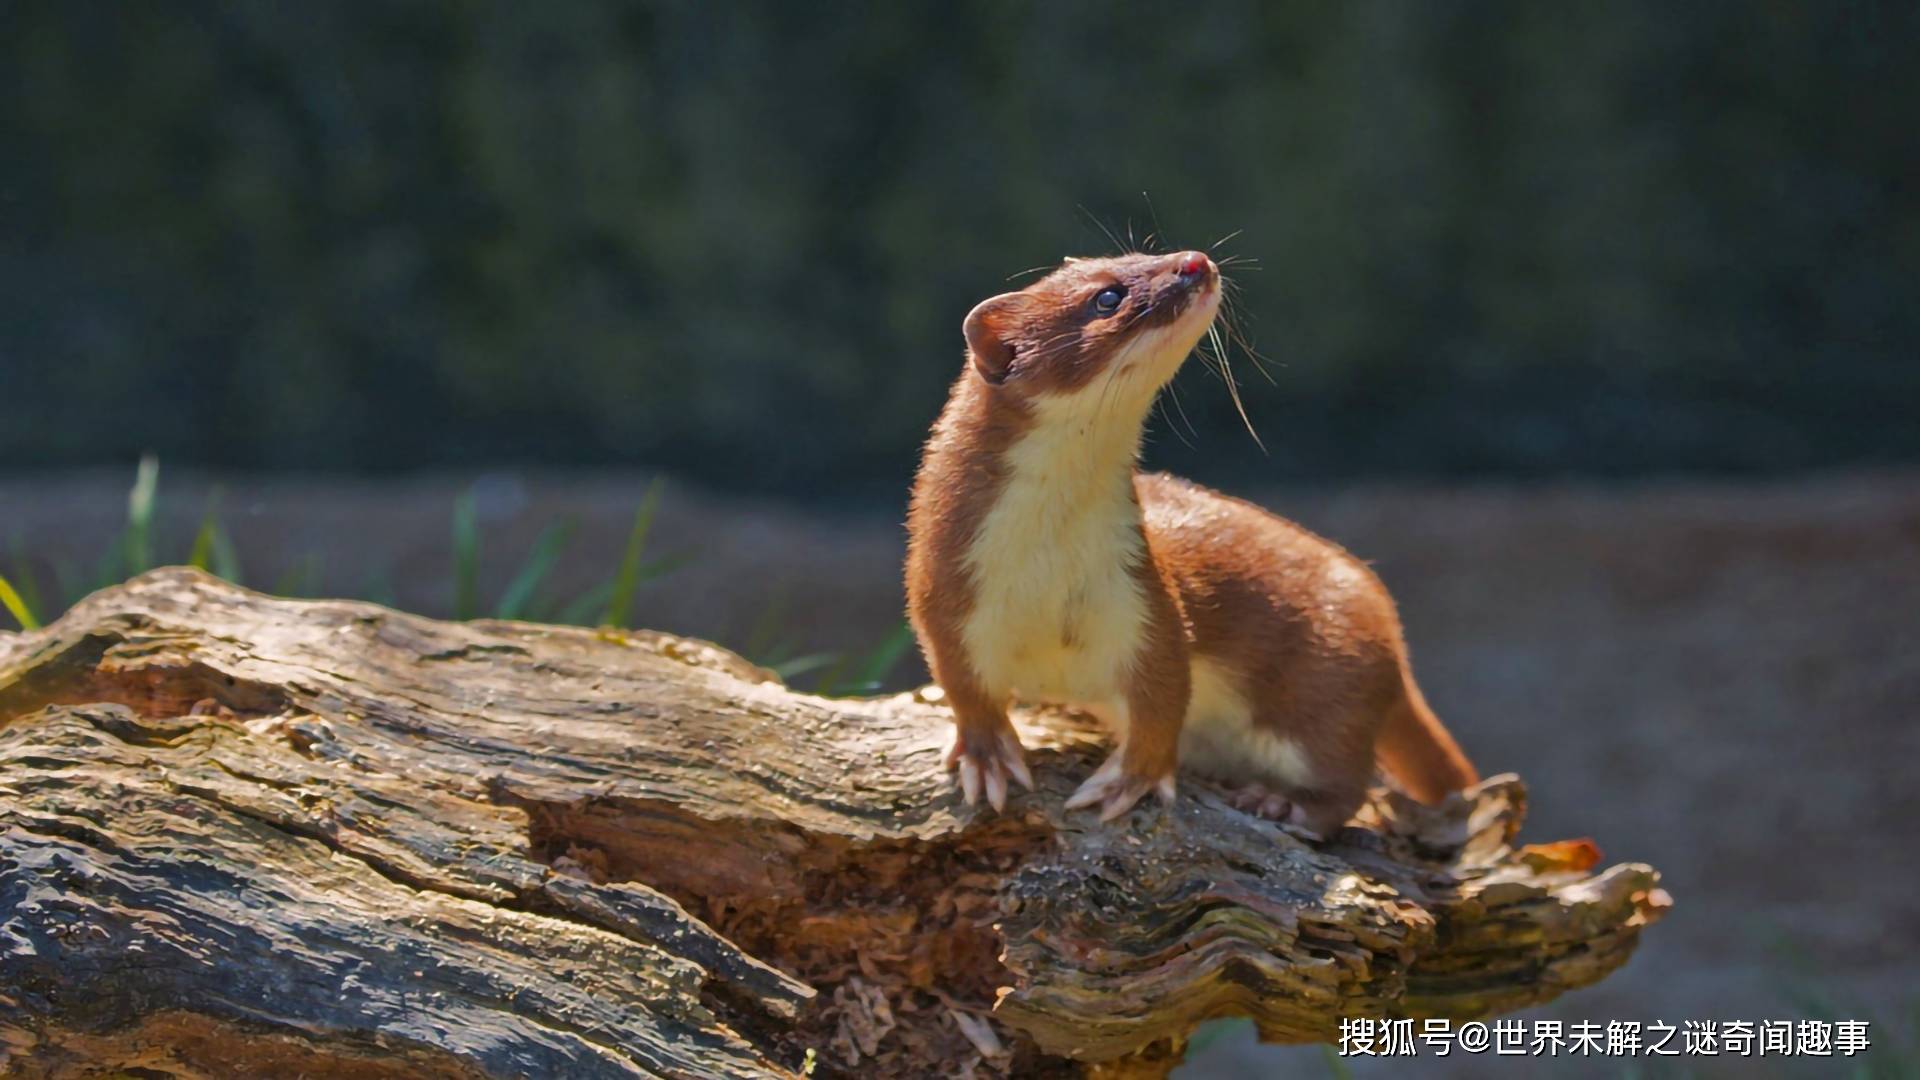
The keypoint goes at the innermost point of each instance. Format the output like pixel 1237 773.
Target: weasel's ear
pixel 987 328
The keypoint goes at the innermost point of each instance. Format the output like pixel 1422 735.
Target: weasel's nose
pixel 1192 264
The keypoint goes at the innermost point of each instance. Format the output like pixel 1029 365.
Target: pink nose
pixel 1193 264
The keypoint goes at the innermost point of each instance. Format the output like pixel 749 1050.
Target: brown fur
pixel 964 468
pixel 1305 632
pixel 1313 637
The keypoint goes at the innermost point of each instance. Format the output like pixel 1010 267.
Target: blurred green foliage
pixel 736 240
pixel 526 594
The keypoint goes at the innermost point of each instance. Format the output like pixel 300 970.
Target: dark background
pixel 1592 326
pixel 736 241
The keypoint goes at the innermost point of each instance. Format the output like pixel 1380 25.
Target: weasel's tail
pixel 1419 753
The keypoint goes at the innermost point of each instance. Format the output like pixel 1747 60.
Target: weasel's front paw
pixel 1117 785
pixel 986 763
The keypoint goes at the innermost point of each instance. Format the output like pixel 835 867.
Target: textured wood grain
pixel 249 836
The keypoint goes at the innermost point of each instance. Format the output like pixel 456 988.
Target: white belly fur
pixel 1056 615
pixel 1219 740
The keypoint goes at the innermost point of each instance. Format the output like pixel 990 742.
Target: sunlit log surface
pixel 249 836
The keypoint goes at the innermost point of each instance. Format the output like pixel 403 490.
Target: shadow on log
pixel 249 836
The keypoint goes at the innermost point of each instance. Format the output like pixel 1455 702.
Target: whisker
pixel 1231 318
pixel 1101 225
pixel 1259 361
pixel 1223 239
pixel 1056 343
pixel 1173 393
pixel 1155 214
pixel 1233 388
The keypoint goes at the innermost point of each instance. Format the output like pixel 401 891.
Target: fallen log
pixel 242 835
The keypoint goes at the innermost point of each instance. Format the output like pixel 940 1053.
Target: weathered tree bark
pixel 249 836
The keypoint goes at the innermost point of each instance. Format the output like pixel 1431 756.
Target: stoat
pixel 1042 566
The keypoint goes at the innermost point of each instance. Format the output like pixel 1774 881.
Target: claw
pixel 1015 759
pixel 1094 789
pixel 997 787
pixel 989 771
pixel 1262 801
pixel 1118 804
pixel 970 780
pixel 1117 790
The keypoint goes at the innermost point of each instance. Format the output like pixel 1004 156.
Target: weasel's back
pixel 1230 559
pixel 1306 631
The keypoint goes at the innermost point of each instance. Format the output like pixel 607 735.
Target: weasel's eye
pixel 1107 300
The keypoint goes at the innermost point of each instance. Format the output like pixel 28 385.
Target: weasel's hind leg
pixel 1323 811
pixel 1261 800
pixel 1318 812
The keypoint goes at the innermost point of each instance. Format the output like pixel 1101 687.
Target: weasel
pixel 1042 566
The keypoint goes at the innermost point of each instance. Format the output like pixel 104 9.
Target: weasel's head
pixel 1115 326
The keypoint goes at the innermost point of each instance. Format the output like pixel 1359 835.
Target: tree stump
pixel 242 835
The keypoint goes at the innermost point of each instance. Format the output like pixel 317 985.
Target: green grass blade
pixel 11 600
pixel 800 665
pixel 829 683
pixel 140 500
pixel 766 629
pixel 662 566
pixel 870 669
pixel 627 581
pixel 879 661
pixel 540 559
pixel 225 559
pixel 466 558
pixel 25 577
pixel 303 578
pixel 584 609
pixel 201 557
